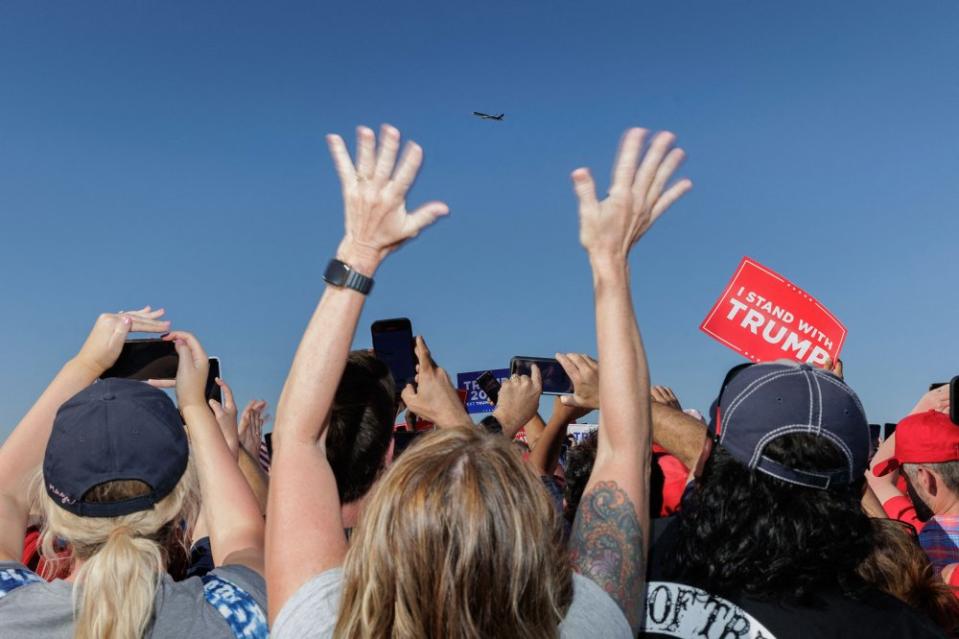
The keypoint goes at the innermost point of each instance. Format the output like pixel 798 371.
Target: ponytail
pixel 116 587
pixel 124 558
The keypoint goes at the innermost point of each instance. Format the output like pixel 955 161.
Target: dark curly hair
pixel 361 425
pixel 579 466
pixel 742 531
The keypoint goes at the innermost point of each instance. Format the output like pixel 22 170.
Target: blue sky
pixel 172 154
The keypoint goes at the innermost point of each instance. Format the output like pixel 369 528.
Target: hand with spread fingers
pixel 583 371
pixel 105 342
pixel 637 197
pixel 434 397
pixel 251 426
pixel 374 196
pixel 225 414
pixel 518 401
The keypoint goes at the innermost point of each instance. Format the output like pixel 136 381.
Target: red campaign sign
pixel 765 317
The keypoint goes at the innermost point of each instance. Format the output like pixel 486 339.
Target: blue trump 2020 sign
pixel 476 399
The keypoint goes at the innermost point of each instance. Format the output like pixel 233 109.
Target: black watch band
pixel 492 425
pixel 339 273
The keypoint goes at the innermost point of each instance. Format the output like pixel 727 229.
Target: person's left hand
pixel 374 197
pixel 225 414
pixel 251 426
pixel 434 397
pixel 105 341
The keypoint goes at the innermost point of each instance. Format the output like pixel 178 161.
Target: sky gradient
pixel 173 154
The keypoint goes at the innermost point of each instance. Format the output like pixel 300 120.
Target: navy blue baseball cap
pixel 759 403
pixel 116 429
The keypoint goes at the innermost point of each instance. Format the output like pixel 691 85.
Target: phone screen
pixel 555 379
pixel 145 359
pixel 212 389
pixel 393 345
pixel 954 400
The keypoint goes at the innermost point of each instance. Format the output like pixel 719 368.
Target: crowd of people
pixel 125 514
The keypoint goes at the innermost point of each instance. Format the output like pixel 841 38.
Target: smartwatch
pixel 341 274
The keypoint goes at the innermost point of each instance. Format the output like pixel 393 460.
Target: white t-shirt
pixel 312 611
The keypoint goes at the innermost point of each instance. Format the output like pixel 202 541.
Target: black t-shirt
pixel 679 610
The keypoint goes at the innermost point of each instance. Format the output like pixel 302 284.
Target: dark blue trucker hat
pixel 762 402
pixel 116 429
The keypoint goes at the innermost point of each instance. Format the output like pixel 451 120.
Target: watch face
pixel 336 273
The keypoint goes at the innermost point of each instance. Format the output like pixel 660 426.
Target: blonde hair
pixel 124 557
pixel 459 539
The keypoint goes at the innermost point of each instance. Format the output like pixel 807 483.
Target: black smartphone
pixel 393 345
pixel 555 379
pixel 875 434
pixel 145 359
pixel 954 400
pixel 936 385
pixel 212 388
pixel 888 430
pixel 490 385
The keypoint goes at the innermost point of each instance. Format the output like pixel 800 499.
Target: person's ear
pixel 929 481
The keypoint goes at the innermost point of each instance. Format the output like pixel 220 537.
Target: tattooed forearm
pixel 606 545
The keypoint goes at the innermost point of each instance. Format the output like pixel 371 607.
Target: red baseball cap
pixel 924 438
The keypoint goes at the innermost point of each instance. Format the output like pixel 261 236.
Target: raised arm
pixel 608 540
pixel 22 452
pixel 304 529
pixel 681 435
pixel 232 515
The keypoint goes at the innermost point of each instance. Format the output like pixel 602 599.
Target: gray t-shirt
pixel 312 611
pixel 211 607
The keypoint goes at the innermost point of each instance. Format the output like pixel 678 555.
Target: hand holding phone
pixel 489 385
pixel 518 401
pixel 555 379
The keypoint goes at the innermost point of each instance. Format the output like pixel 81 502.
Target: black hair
pixel 579 466
pixel 742 531
pixel 361 425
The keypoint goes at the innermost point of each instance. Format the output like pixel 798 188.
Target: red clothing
pixel 33 560
pixel 901 508
pixel 675 476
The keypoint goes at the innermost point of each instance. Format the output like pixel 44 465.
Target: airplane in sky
pixel 487 116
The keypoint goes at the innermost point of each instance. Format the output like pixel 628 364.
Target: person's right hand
pixel 225 414
pixel 665 395
pixel 937 399
pixel 608 229
pixel 105 341
pixel 518 400
pixel 192 371
pixel 374 197
pixel 583 370
pixel 434 397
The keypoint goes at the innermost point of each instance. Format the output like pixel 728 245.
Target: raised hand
pixel 434 397
pixel 518 401
pixel 609 228
pixel 251 426
pixel 225 414
pixel 583 370
pixel 374 196
pixel 937 399
pixel 192 371
pixel 665 395
pixel 102 347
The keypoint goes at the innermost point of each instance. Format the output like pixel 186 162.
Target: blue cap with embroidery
pixel 116 429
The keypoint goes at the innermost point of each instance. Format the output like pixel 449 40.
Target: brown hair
pixel 899 567
pixel 459 539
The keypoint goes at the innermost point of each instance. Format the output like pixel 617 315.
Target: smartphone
pixel 212 388
pixel 393 345
pixel 936 385
pixel 888 430
pixel 555 379
pixel 145 359
pixel 954 400
pixel 268 438
pixel 875 434
pixel 490 385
